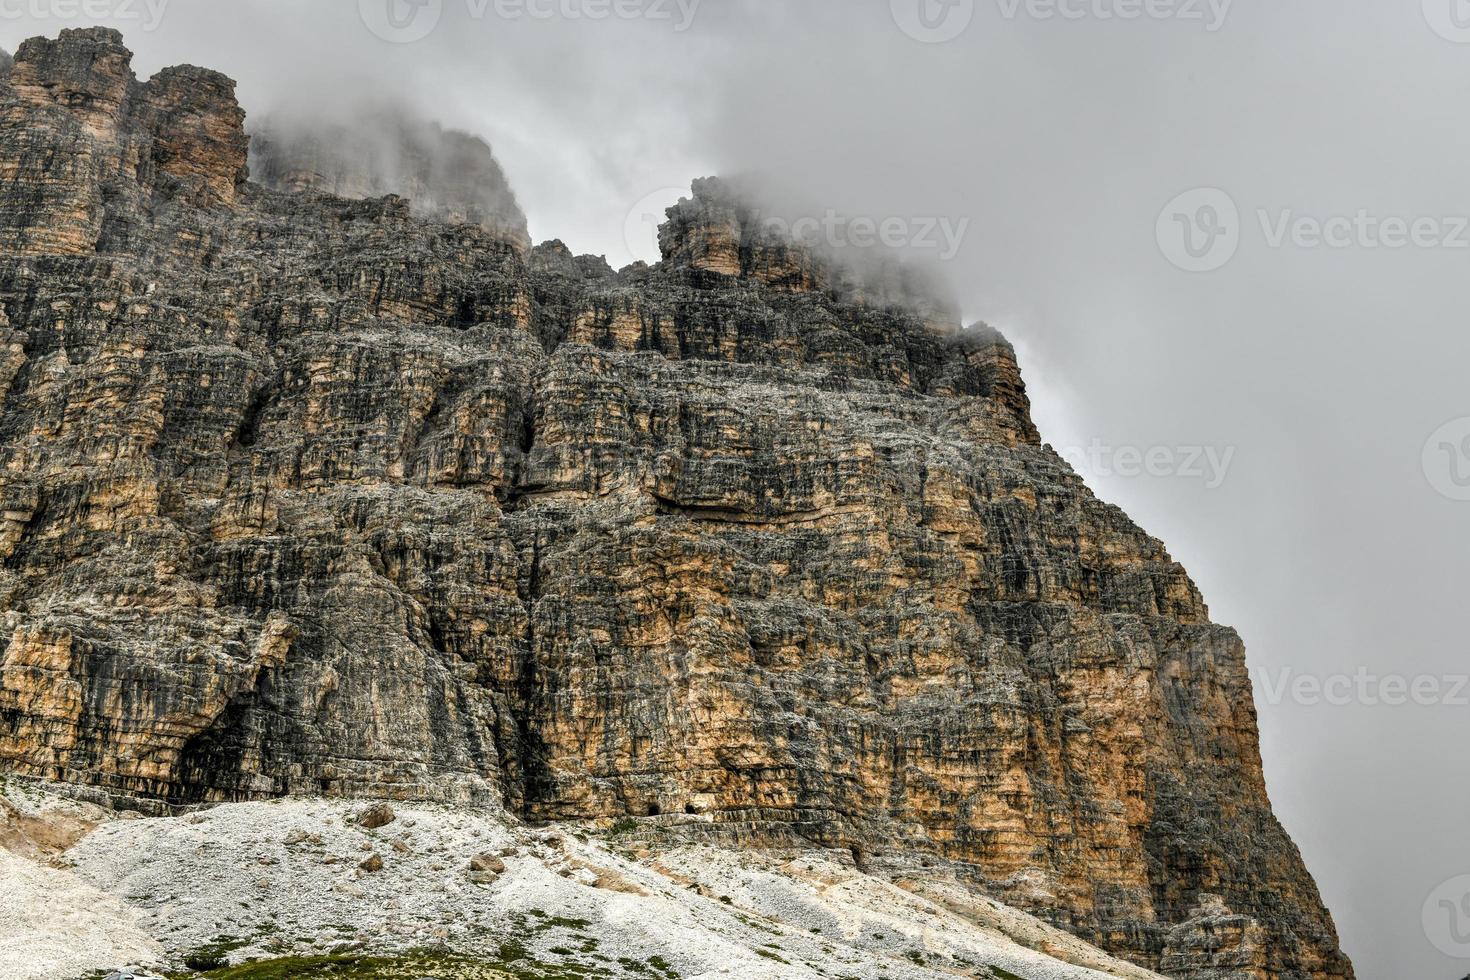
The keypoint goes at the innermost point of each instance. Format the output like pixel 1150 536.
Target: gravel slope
pixel 305 877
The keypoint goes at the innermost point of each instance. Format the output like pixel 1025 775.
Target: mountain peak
pixel 446 174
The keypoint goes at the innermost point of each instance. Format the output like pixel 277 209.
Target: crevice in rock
pixel 524 776
pixel 714 513
pixel 212 763
pixel 415 438
pixel 527 440
pixel 525 433
pixel 466 313
pixel 248 432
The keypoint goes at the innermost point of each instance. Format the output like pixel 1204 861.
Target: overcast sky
pixel 1290 400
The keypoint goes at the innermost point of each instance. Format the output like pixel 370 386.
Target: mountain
pixel 306 495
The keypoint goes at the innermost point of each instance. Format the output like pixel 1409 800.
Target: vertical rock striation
pixel 308 494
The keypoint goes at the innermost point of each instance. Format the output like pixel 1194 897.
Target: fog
pixel 1285 404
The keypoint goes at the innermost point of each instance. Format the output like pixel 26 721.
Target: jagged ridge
pixel 447 175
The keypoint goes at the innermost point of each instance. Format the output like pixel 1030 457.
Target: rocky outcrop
pixel 86 150
pixel 198 141
pixel 1214 942
pixel 722 230
pixel 311 495
pixel 447 174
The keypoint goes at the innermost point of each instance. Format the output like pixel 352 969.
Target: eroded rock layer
pixel 301 494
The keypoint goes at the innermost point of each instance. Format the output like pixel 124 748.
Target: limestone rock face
pixel 1214 942
pixel 87 151
pixel 85 72
pixel 723 230
pixel 308 495
pixel 198 135
pixel 447 174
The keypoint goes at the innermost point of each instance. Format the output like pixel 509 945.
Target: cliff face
pixel 303 494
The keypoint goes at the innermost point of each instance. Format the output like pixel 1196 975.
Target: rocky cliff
pixel 445 174
pixel 311 495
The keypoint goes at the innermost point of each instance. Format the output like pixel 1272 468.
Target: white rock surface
pixel 53 925
pixel 269 879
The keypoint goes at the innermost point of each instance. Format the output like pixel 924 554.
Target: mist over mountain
pixel 384 150
pixel 1322 374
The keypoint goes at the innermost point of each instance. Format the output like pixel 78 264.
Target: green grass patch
pixel 518 965
pixel 1004 974
pixel 623 827
pixel 215 954
pixel 562 922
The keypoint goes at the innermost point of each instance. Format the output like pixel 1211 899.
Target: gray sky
pixel 1317 372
